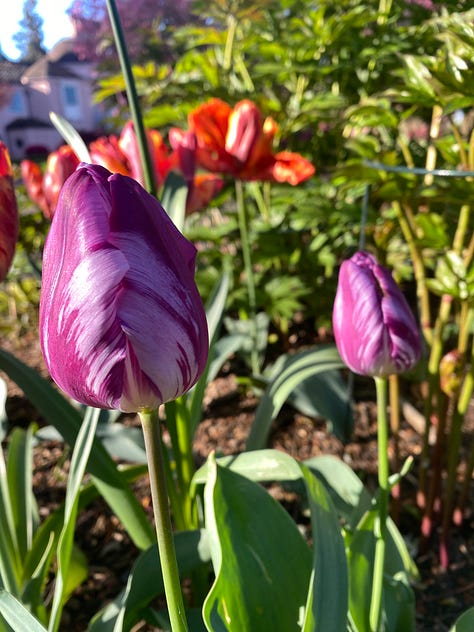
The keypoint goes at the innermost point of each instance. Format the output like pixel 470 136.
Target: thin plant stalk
pixel 394 397
pixel 164 533
pixel 132 96
pixel 380 528
pixel 249 277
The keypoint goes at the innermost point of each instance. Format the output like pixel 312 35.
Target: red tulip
pixel 43 188
pixel 239 142
pixel 9 221
pixel 59 166
pixel 33 180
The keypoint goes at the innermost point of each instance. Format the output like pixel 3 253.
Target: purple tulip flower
pixel 375 331
pixel 122 324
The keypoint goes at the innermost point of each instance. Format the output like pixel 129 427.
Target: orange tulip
pixel 239 142
pixel 9 221
pixel 106 151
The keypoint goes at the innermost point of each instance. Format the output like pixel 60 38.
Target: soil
pixel 441 594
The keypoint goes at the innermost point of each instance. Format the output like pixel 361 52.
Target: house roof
pixel 54 63
pixel 24 123
pixel 11 71
pixel 46 68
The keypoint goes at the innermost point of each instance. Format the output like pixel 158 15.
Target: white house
pixel 58 82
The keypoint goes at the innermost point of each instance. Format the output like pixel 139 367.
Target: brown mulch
pixel 442 595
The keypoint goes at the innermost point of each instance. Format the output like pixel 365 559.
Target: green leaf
pixel 10 561
pixel 108 480
pixel 173 198
pixel 465 623
pixel 247 529
pixel 71 136
pixel 145 581
pixel 295 371
pixel 321 395
pixel 17 615
pixel 80 456
pixel 327 604
pixel 20 483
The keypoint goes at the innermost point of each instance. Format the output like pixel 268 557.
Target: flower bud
pixel 451 372
pixel 9 222
pixel 375 331
pixel 122 324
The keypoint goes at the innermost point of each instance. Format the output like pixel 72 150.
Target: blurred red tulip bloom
pixel 59 166
pixel 205 188
pixel 43 188
pixel 239 142
pixel 9 221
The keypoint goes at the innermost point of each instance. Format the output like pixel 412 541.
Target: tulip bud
pixel 375 331
pixel 451 372
pixel 122 324
pixel 9 221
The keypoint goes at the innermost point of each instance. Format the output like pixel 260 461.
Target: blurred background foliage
pixel 350 84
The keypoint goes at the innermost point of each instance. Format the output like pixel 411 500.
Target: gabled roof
pixel 46 68
pixel 11 71
pixel 55 63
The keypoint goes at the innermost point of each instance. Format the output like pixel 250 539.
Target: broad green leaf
pixel 465 623
pixel 297 370
pixel 145 581
pixel 327 604
pixel 80 456
pixel 321 395
pixel 352 501
pixel 17 615
pixel 71 136
pixel 253 541
pixel 67 419
pixel 328 592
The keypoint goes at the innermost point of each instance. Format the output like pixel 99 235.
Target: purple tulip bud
pixel 375 330
pixel 122 324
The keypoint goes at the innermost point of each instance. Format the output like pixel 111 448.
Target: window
pixel 70 101
pixel 17 103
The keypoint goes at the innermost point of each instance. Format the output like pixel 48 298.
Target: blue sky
pixel 56 24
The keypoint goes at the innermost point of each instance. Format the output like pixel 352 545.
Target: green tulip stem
pixel 380 528
pixel 148 172
pixel 164 533
pixel 249 277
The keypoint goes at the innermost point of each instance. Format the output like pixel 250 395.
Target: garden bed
pixel 441 595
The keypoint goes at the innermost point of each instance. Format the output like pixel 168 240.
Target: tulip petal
pixel 81 339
